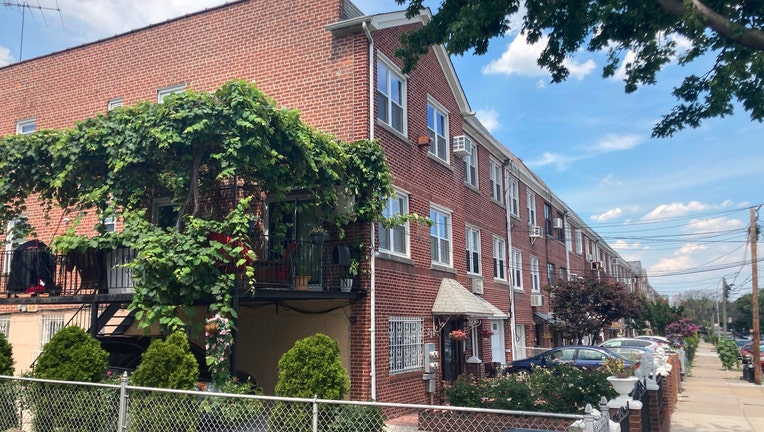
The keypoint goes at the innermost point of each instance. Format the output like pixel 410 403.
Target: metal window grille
pixel 5 326
pixel 51 324
pixel 406 340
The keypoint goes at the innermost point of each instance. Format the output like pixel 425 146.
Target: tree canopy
pixel 583 307
pixel 196 148
pixel 643 35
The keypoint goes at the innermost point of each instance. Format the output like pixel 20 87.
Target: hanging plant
pixel 218 331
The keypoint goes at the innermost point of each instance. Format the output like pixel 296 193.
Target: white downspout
pixel 567 229
pixel 510 268
pixel 372 255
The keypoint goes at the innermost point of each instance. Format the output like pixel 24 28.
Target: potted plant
pixel 458 335
pixel 346 283
pixel 318 235
pixel 621 377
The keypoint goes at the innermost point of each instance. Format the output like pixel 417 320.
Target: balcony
pixel 30 271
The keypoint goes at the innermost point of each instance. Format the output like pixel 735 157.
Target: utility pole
pixel 725 296
pixel 755 300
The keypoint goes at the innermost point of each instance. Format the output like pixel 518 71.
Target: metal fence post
pixel 315 413
pixel 122 422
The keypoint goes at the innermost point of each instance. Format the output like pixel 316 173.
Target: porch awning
pixel 454 299
pixel 543 316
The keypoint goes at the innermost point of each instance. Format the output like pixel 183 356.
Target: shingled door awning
pixel 454 299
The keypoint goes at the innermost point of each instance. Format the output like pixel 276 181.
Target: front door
pixel 519 336
pixel 497 342
pixel 452 364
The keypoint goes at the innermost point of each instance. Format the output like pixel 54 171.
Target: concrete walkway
pixel 717 400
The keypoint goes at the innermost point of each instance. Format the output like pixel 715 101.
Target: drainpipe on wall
pixel 510 272
pixel 569 229
pixel 373 295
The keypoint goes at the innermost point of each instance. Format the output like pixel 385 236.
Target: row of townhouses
pixel 499 234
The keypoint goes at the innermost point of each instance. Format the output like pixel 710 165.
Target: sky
pixel 679 205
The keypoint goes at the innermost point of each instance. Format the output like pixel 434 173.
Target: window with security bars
pixel 50 325
pixel 406 344
pixel 5 326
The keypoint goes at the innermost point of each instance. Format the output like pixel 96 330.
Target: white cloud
pixel 489 117
pixel 668 265
pixel 690 248
pixel 609 181
pixel 674 210
pixel 713 224
pixel 520 58
pixel 623 245
pixel 613 142
pixel 608 215
pixel 620 73
pixel 5 56
pixel 548 158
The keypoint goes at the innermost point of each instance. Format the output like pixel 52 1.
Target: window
pixel 473 250
pixel 517 269
pixel 568 242
pixel 548 219
pixel 440 237
pixel 514 197
pixel 550 273
pixel 167 91
pixel 15 233
pixel 51 324
pixel 437 130
pixel 579 242
pixel 391 89
pixel 563 274
pixel 109 224
pixel 531 208
pixel 497 193
pixel 535 277
pixel 470 167
pixel 394 239
pixel 25 127
pixel 406 344
pixel 113 103
pixel 561 232
pixel 5 326
pixel 499 258
pixel 163 213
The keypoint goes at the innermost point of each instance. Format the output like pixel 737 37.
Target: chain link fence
pixel 35 405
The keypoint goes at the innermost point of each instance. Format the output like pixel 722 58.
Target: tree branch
pixel 751 38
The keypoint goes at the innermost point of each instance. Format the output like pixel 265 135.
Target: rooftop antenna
pixel 24 5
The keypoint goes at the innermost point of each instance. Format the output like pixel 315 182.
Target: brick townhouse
pixel 499 235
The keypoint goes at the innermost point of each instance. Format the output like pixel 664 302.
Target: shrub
pixel 72 355
pixel 6 356
pixel 169 364
pixel 357 418
pixel 691 345
pixel 312 367
pixel 728 353
pixel 227 413
pixel 9 412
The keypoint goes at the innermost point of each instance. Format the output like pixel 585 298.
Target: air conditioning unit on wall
pixel 537 300
pixel 557 223
pixel 462 145
pixel 535 231
pixel 596 265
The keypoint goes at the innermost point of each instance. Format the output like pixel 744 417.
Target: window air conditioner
pixel 477 286
pixel 462 145
pixel 535 231
pixel 537 300
pixel 557 223
pixel 596 265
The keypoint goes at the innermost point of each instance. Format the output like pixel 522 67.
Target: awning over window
pixel 454 299
pixel 543 316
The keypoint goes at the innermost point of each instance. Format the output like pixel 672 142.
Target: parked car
pixel 632 353
pixel 659 339
pixel 582 356
pixel 619 342
pixel 747 350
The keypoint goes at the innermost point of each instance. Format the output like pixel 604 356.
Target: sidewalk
pixel 717 400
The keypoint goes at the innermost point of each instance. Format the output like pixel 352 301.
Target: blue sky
pixel 678 205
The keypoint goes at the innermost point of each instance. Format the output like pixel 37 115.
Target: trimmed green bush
pixel 6 356
pixel 72 355
pixel 168 364
pixel 728 353
pixel 9 412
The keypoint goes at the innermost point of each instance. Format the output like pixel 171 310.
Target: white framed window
pixel 568 242
pixel 50 325
pixel 517 269
pixel 405 344
pixel 391 95
pixel 535 276
pixel 163 212
pixel 437 130
pixel 514 197
pixel 499 258
pixel 563 274
pixel 440 236
pixel 548 219
pixel 531 208
pixel 395 239
pixel 471 167
pixel 497 192
pixel 114 103
pixel 473 250
pixel 25 127
pixel 167 91
pixel 550 273
pixel 579 242
pixel 13 238
pixel 110 224
pixel 5 326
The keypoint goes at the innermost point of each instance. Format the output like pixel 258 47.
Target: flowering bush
pixel 218 331
pixel 458 335
pixel 678 330
pixel 615 367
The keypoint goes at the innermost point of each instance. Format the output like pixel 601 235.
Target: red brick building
pixel 499 236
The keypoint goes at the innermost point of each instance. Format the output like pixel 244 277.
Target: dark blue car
pixel 582 356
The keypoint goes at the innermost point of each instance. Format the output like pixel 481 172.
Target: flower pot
pixel 346 285
pixel 622 386
pixel 318 238
pixel 301 283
